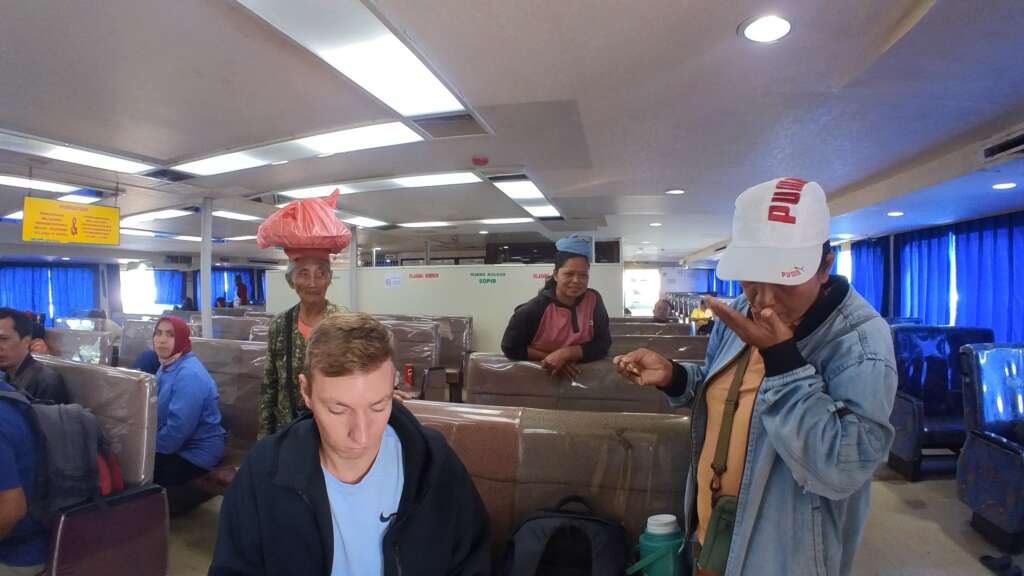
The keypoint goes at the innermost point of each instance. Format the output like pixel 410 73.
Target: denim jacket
pixel 819 428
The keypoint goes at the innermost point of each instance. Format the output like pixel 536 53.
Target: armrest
pixel 999 442
pixel 907 419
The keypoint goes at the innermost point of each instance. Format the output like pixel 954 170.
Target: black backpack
pixel 74 462
pixel 555 541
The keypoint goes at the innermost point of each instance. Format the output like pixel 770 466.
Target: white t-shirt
pixel 361 513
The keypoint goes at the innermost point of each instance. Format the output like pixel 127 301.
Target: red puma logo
pixel 787 193
pixel 795 272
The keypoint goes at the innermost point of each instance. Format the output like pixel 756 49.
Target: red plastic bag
pixel 306 227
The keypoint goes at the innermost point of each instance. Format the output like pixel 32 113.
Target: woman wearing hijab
pixel 566 323
pixel 189 437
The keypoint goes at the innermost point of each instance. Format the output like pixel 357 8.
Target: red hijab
pixel 182 334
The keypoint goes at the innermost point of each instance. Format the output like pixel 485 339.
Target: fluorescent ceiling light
pixel 128 260
pixel 542 211
pixel 424 224
pixel 366 137
pixel 520 189
pixel 844 236
pixel 315 192
pixel 220 164
pixel 349 37
pixel 188 238
pixel 364 221
pixel 157 215
pixel 279 163
pixel 645 241
pixel 765 29
pixel 80 199
pixel 507 221
pixel 15 215
pixel 134 232
pixel 235 216
pixel 1005 186
pixel 894 214
pixel 675 191
pixel 484 232
pixel 655 224
pixel 32 184
pixel 240 238
pixel 37 147
pixel 446 179
pixel 65 258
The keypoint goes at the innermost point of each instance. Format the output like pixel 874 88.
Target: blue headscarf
pixel 575 244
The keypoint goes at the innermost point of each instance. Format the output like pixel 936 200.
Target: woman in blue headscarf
pixel 566 323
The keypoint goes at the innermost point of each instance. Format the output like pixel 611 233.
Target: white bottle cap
pixel 662 524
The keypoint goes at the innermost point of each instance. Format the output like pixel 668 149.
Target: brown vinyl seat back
pixel 260 333
pixel 685 348
pixel 137 337
pixel 81 345
pixel 226 312
pixel 630 319
pixel 495 380
pixel 629 466
pixel 231 327
pixel 90 325
pixel 185 315
pixel 237 369
pixel 416 344
pixel 455 333
pixel 652 329
pixel 249 313
pixel 124 402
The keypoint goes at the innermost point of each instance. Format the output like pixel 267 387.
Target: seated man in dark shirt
pixel 20 369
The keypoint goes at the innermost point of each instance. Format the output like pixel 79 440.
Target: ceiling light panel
pixel 364 222
pixel 241 238
pixel 349 37
pixel 424 224
pixel 236 216
pixel 15 215
pixel 363 138
pixel 32 184
pixel 506 221
pixel 520 189
pixel 134 232
pixel 542 211
pixel 221 164
pixel 157 215
pixel 420 181
pixel 188 238
pixel 38 147
pixel 80 199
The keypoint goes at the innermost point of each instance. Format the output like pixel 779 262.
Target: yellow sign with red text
pixel 46 220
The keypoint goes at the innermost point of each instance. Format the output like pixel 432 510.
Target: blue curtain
pixel 724 288
pixel 25 288
pixel 222 284
pixel 835 259
pixel 989 275
pixel 870 259
pixel 170 287
pixel 923 274
pixel 73 290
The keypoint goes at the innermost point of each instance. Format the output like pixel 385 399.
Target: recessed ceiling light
pixel 328 155
pixel 765 29
pixel 220 164
pixel 156 215
pixel 654 224
pixel 235 216
pixel 352 39
pixel 894 213
pixel 520 189
pixel 844 236
pixel 15 215
pixel 424 224
pixel 506 221
pixel 279 162
pixel 65 258
pixel 188 238
pixel 542 211
pixel 32 184
pixel 240 238
pixel 645 242
pixel 315 192
pixel 363 138
pixel 1005 186
pixel 134 232
pixel 80 199
pixel 675 191
pixel 363 221
pixel 128 260
pixel 446 179
pixel 358 186
pixel 37 147
pixel 484 232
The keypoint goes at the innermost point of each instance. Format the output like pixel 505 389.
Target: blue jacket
pixel 819 428
pixel 187 415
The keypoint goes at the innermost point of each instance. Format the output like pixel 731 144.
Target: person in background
pixel 147 361
pixel 664 312
pixel 792 402
pixel 309 274
pixel 357 487
pixel 189 437
pixel 701 316
pixel 24 542
pixel 20 369
pixel 241 291
pixel 566 323
pixel 220 302
pixel 188 305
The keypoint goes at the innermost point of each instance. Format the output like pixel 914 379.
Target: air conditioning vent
pixel 168 175
pixel 180 260
pixel 1004 147
pixel 264 262
pixel 451 126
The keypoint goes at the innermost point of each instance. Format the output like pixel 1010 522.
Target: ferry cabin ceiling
pixel 883 102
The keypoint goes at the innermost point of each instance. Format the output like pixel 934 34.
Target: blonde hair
pixel 345 344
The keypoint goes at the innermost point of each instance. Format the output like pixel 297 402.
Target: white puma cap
pixel 778 231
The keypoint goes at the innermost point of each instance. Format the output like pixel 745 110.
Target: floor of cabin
pixel 918 529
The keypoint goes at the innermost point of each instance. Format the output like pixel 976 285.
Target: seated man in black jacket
pixel 357 486
pixel 19 368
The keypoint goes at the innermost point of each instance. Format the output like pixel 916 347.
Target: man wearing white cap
pixel 791 407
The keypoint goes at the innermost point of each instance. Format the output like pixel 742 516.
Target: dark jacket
pixel 40 382
pixel 276 517
pixel 525 321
